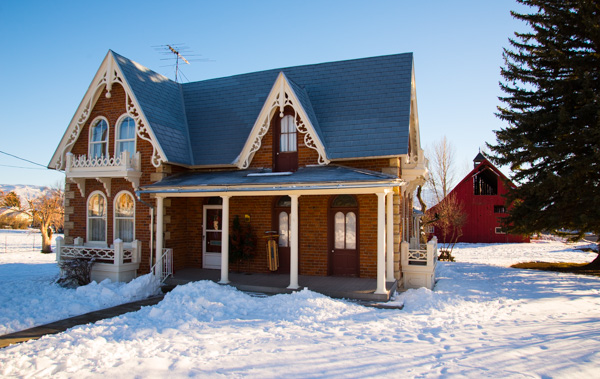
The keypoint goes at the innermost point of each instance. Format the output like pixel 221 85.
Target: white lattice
pixel 83 161
pixel 87 252
pixel 417 255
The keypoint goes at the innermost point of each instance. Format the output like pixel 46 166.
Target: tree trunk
pixel 46 239
pixel 595 264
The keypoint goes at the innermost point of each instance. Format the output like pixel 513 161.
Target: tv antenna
pixel 176 51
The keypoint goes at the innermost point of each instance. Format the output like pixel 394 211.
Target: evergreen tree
pixel 552 107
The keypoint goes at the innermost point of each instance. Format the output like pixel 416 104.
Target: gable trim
pixel 108 74
pixel 281 95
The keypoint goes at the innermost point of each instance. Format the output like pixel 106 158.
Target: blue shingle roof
pixel 162 104
pixel 359 108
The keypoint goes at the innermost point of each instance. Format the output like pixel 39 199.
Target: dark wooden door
pixel 343 239
pixel 285 144
pixel 281 223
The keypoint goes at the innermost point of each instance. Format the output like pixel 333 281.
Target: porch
pixel 337 287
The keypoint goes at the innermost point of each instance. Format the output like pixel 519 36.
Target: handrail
pixel 163 268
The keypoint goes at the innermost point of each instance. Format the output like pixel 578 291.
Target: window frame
pixel 115 229
pixel 93 124
pixel 118 138
pixel 87 218
pixel 499 230
pixel 288 134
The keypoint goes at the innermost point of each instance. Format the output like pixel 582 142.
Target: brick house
pixel 481 193
pixel 325 156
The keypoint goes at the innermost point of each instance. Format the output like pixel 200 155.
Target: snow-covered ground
pixel 482 320
pixel 28 296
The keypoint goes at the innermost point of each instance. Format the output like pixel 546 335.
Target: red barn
pixel 481 194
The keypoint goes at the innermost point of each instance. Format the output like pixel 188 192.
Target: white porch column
pixel 225 242
pixel 389 233
pixel 159 234
pixel 381 244
pixel 294 243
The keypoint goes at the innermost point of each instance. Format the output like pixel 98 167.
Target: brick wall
pixel 75 205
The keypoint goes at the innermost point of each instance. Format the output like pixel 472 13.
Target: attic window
pixel 485 182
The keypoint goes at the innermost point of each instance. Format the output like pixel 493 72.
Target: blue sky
pixel 52 49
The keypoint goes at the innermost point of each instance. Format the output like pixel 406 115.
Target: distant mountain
pixel 24 191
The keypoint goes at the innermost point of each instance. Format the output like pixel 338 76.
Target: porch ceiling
pixel 311 177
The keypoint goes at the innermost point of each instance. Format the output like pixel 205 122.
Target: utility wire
pixel 23 159
pixel 28 168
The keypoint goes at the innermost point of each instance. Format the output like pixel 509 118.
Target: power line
pixel 23 159
pixel 28 168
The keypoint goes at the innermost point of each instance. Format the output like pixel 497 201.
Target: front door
pixel 281 221
pixel 343 237
pixel 211 236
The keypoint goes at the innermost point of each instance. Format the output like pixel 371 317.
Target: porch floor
pixel 337 287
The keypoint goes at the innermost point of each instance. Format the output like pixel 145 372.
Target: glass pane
pixel 99 131
pixel 284 229
pixel 97 149
pixel 344 201
pixel 97 229
pixel 350 230
pixel 124 229
pixel 96 206
pixel 213 219
pixel 283 142
pixel 292 141
pixel 127 129
pixel 124 206
pixel 285 124
pixel 125 146
pixel 339 229
pixel 284 202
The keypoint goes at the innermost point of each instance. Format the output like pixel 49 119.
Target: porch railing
pixel 117 263
pixel 123 161
pixel 418 264
pixel 117 255
pixel 163 268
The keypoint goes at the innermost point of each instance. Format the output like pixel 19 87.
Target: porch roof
pixel 310 177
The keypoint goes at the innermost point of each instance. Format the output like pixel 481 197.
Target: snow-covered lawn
pixel 482 320
pixel 28 296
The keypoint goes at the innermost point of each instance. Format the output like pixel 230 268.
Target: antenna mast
pixel 178 57
pixel 175 51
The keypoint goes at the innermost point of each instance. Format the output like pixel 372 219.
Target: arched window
pixel 99 138
pixel 96 217
pixel 287 137
pixel 344 223
pixel 125 136
pixel 124 216
pixel 284 220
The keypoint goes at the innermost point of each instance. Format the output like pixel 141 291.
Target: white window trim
pixel 92 124
pixel 498 230
pixel 115 215
pixel 117 133
pixel 87 221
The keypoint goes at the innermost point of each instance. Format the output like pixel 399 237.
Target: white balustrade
pixel 118 263
pixel 418 264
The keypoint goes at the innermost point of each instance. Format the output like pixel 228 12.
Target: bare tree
pixel 47 211
pixel 449 218
pixel 442 173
